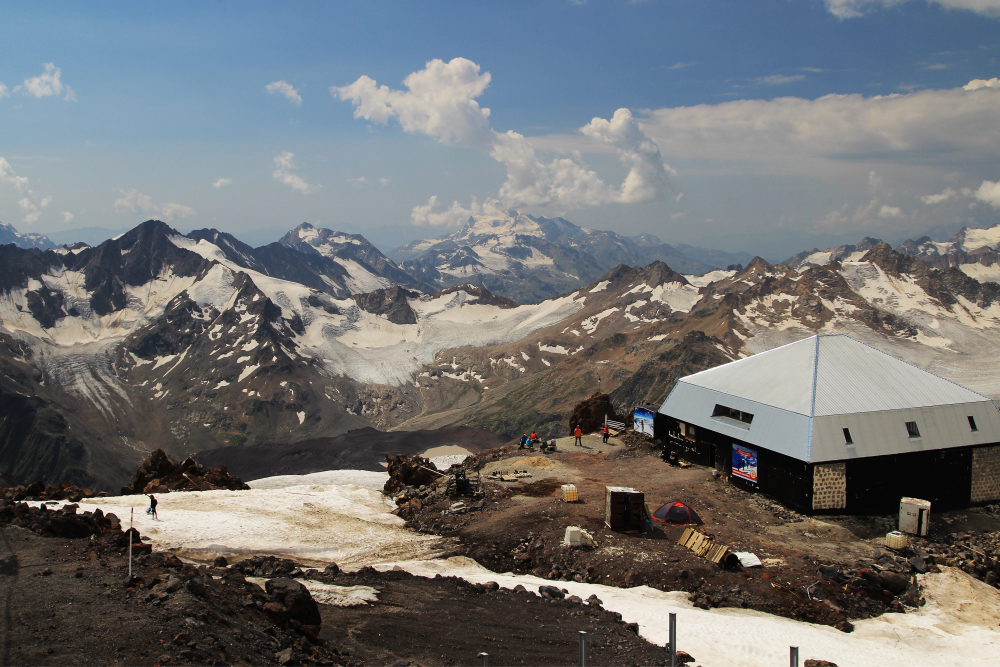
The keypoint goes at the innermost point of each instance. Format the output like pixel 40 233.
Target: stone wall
pixel 985 474
pixel 829 486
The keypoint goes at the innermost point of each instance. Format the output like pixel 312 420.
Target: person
pixel 152 506
pixel 605 433
pixel 534 437
pixel 524 441
pixel 578 434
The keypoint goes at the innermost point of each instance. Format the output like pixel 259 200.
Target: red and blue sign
pixel 745 463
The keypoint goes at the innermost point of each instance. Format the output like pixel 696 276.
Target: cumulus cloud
pixel 29 203
pixel 135 201
pixel 849 9
pixel 284 166
pixel 440 102
pixel 976 84
pixel 3 91
pixel 890 212
pixel 222 182
pixel 286 89
pixel 456 215
pixel 47 84
pixel 67 216
pixel 989 192
pixel 928 125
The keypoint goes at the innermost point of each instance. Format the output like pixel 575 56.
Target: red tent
pixel 677 513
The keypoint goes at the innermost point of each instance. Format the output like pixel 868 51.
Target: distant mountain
pixel 817 257
pixel 529 258
pixel 8 234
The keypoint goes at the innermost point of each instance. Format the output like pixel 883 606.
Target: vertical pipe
pixel 484 659
pixel 130 522
pixel 793 656
pixel 583 649
pixel 673 640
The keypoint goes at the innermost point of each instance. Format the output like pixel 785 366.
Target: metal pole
pixel 793 656
pixel 673 640
pixel 130 522
pixel 583 649
pixel 484 659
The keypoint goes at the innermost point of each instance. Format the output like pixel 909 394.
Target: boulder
pixel 589 414
pixel 296 599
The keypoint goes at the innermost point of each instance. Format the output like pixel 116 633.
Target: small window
pixel 912 430
pixel 972 423
pixel 847 436
pixel 732 413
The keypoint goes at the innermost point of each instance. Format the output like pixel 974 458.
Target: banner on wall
pixel 745 463
pixel 643 421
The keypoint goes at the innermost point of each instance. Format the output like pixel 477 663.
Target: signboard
pixel 745 463
pixel 643 421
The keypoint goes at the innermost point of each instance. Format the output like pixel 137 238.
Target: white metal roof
pixel 832 374
pixel 804 395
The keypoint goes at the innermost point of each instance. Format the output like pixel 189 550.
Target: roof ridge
pixel 812 398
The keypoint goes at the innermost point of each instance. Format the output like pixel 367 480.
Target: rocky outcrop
pixel 159 474
pixel 390 302
pixel 589 415
pixel 407 471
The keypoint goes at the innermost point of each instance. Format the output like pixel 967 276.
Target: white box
pixel 914 516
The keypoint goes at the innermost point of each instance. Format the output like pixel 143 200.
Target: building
pixel 831 424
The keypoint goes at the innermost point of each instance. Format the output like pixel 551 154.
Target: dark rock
pixel 893 582
pixel 919 565
pixel 812 662
pixel 551 592
pixel 684 657
pixel 296 599
pixel 220 561
pixel 589 415
pixel 331 569
pixel 286 657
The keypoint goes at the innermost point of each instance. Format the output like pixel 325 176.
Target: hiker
pixel 534 437
pixel 524 441
pixel 152 506
pixel 578 434
pixel 605 434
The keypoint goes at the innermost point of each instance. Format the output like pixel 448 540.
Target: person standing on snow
pixel 578 434
pixel 152 506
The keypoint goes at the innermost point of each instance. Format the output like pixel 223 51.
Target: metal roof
pixel 832 374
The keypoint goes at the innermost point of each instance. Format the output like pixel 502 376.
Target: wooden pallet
pixel 703 545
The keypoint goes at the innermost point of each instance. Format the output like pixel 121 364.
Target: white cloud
pixel 921 126
pixel 286 89
pixel 890 212
pixel 944 195
pixel 989 192
pixel 134 201
pixel 439 102
pixel 30 204
pixel 681 65
pixel 67 216
pixel 454 216
pixel 384 180
pixel 848 9
pixel 3 91
pixel 284 164
pixel 222 182
pixel 47 84
pixel 358 182
pixel 976 84
pixel 779 79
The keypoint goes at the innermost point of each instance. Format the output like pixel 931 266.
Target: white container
pixel 569 493
pixel 896 540
pixel 914 516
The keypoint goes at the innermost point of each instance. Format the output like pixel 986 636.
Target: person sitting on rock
pixel 524 441
pixel 152 506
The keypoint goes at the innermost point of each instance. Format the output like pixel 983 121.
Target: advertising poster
pixel 745 463
pixel 643 419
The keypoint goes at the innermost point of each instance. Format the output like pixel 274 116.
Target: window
pixel 687 430
pixel 972 423
pixel 731 414
pixel 847 436
pixel 912 430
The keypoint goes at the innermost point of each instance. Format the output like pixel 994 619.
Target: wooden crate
pixel 624 508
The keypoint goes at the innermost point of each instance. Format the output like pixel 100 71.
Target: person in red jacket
pixel 605 434
pixel 578 434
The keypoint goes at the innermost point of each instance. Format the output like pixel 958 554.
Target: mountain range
pixel 197 341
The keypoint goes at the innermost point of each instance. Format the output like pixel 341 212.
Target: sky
pixel 768 126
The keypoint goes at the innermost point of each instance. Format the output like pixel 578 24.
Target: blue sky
pixel 765 125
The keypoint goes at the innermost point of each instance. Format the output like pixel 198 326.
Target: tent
pixel 678 513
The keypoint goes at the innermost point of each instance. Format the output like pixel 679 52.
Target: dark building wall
pixel 943 476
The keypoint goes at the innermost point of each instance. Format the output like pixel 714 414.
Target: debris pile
pixel 589 414
pixel 159 474
pixel 65 522
pixel 976 553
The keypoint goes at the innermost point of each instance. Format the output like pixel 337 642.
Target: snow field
pixel 956 627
